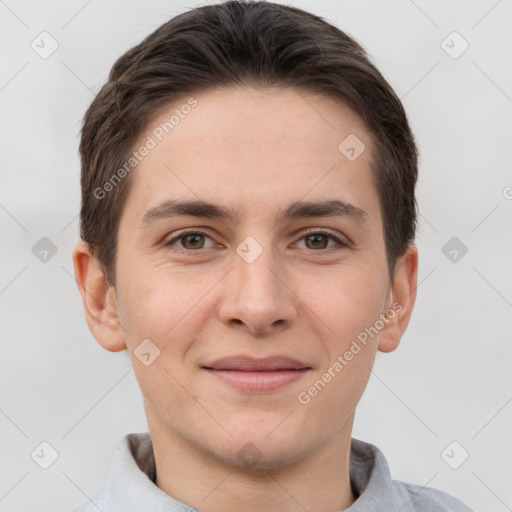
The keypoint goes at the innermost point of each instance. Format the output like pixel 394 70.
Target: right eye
pixel 191 240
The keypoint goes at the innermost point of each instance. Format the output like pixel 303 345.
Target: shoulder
pixel 371 479
pixel 428 499
pixel 131 468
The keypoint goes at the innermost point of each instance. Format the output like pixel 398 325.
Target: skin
pixel 255 150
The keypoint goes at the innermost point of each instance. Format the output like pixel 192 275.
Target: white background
pixel 450 380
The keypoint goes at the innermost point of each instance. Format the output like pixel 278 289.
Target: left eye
pixel 320 239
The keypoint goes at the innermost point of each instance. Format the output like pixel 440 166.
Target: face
pixel 263 273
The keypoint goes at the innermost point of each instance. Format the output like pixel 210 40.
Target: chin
pixel 256 452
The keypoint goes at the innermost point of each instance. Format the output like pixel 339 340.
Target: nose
pixel 258 297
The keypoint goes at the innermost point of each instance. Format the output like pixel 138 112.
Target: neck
pixel 199 478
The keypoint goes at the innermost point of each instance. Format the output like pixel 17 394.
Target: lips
pixel 249 364
pixel 257 375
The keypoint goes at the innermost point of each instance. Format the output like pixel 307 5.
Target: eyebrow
pixel 295 210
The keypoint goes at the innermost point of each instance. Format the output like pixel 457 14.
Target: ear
pixel 401 300
pixel 99 300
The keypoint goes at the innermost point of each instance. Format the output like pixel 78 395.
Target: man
pixel 247 225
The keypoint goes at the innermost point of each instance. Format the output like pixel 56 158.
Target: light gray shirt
pixel 131 484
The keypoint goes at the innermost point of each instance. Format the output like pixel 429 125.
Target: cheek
pixel 170 314
pixel 156 305
pixel 169 308
pixel 348 306
pixel 347 313
pixel 347 301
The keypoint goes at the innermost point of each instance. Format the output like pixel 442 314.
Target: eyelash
pixel 311 231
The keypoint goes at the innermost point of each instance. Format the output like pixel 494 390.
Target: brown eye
pixel 317 241
pixel 193 241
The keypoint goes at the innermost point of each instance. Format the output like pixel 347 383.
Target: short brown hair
pixel 234 44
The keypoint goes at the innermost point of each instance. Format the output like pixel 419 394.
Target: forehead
pixel 249 148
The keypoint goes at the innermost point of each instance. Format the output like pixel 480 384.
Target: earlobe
pixel 401 300
pixel 99 300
